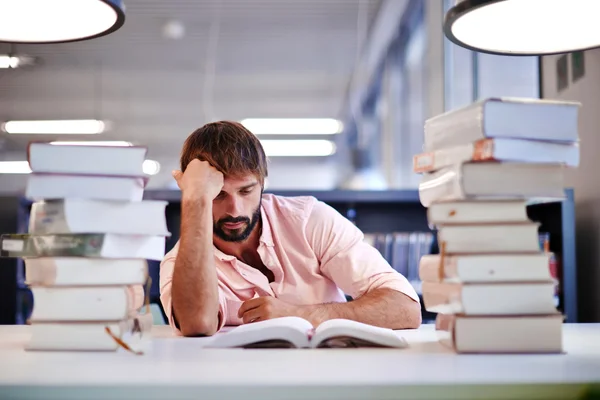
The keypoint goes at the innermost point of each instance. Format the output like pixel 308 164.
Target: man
pixel 244 256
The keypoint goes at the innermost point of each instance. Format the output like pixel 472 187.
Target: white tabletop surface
pixel 178 367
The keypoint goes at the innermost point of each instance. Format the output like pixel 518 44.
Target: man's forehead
pixel 240 181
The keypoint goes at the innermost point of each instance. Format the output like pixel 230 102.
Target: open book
pixel 294 332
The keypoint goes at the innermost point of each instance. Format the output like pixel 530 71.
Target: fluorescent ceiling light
pixel 55 127
pixel 524 27
pixel 293 126
pixel 9 62
pixel 151 167
pixel 115 143
pixel 53 21
pixel 298 148
pixel 14 167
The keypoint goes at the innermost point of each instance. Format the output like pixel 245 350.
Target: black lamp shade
pixel 524 27
pixel 58 21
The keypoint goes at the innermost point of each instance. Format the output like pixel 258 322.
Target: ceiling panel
pixel 237 59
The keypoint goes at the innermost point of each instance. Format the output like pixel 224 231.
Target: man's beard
pixel 237 235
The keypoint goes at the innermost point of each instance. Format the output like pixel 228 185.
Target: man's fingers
pixel 253 315
pixel 176 174
pixel 249 305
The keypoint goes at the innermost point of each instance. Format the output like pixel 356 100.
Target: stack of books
pixel 482 165
pixel 86 250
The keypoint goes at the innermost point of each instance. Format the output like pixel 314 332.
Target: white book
pixel 477 212
pixel 145 217
pixel 523 118
pixel 501 334
pixel 499 149
pixel 102 303
pixel 81 159
pixel 84 271
pixel 491 239
pixel 485 268
pixel 489 298
pixel 42 186
pixel 492 181
pixel 294 332
pixel 134 332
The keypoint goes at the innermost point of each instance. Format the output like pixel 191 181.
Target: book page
pixel 347 333
pixel 270 333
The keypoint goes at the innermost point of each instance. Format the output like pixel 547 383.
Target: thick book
pixel 490 238
pixel 43 186
pixel 145 217
pixel 103 245
pixel 475 268
pixel 492 181
pixel 131 334
pixel 81 303
pixel 81 159
pixel 522 118
pixel 499 149
pixel 519 298
pixel 294 332
pixel 85 271
pixel 477 212
pixel 501 334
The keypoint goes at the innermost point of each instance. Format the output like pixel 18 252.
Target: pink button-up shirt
pixel 315 254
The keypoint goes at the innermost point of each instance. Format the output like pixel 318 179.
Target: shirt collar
pixel 266 237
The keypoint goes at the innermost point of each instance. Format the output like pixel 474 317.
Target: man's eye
pixel 245 192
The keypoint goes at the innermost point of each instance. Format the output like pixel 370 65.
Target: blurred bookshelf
pixel 393 221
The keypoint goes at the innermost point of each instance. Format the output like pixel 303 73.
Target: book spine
pixel 481 150
pixel 47 217
pixel 431 268
pixel 444 184
pixel 456 127
pixel 441 297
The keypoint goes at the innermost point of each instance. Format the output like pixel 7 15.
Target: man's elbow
pixel 410 314
pixel 203 325
pixel 199 327
pixel 414 316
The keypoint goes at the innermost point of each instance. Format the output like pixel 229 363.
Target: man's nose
pixel 235 206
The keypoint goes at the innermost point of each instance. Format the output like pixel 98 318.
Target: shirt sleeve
pixel 166 279
pixel 353 265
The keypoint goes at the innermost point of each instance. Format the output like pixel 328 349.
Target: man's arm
pixel 194 290
pixel 383 297
pixel 195 298
pixel 383 307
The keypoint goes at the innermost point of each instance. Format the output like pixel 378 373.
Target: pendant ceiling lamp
pixel 55 21
pixel 524 27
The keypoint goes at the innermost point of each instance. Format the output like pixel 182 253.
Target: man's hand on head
pixel 200 179
pixel 264 308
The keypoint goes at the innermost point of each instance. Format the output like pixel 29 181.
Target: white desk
pixel 181 368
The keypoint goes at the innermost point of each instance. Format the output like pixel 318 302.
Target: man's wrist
pixel 316 314
pixel 196 199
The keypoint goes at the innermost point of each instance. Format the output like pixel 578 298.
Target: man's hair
pixel 229 147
